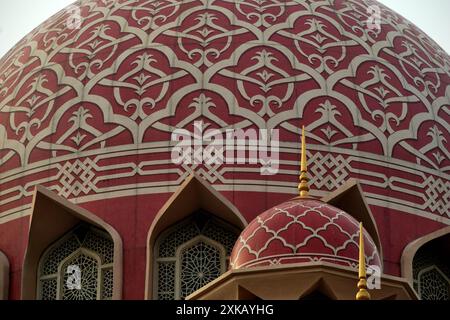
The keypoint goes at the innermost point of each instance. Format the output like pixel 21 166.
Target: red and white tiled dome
pixel 300 231
pixel 88 110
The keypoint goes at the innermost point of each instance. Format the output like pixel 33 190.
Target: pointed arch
pixel 350 198
pixel 51 218
pixel 411 249
pixel 4 276
pixel 194 194
pixel 90 252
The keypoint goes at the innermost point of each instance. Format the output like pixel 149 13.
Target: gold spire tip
pixel 303 187
pixel 303 165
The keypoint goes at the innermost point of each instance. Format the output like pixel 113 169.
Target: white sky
pixel 19 17
pixel 432 16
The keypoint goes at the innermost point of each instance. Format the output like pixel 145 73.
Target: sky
pixel 433 18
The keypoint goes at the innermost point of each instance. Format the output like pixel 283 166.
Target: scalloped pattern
pixel 300 231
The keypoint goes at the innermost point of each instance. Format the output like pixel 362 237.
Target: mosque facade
pixel 151 149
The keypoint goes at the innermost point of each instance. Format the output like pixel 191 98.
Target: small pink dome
pixel 299 231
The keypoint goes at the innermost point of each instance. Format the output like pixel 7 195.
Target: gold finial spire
pixel 362 294
pixel 303 187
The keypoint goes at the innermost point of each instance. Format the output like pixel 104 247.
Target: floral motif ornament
pixel 135 71
pixel 143 74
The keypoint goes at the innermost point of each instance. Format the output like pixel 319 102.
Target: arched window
pixel 79 266
pixel 191 254
pixel 433 284
pixel 4 276
pixel 431 273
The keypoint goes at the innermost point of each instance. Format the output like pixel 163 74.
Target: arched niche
pixel 192 196
pixel 177 251
pixel 439 241
pixel 350 198
pixel 4 276
pixel 85 251
pixel 51 218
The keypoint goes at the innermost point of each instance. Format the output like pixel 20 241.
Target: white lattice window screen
pixel 433 284
pixel 199 261
pixel 431 275
pixel 92 251
pixel 190 255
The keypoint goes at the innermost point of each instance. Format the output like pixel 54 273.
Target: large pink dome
pixel 88 112
pixel 302 231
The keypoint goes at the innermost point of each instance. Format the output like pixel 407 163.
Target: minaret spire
pixel 362 294
pixel 303 187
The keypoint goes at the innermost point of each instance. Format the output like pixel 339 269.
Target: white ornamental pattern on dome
pixel 370 98
pixel 269 239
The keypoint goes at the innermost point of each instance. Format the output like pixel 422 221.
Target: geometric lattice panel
pixel 191 254
pixel 431 274
pixel 433 285
pixel 200 264
pixel 78 267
